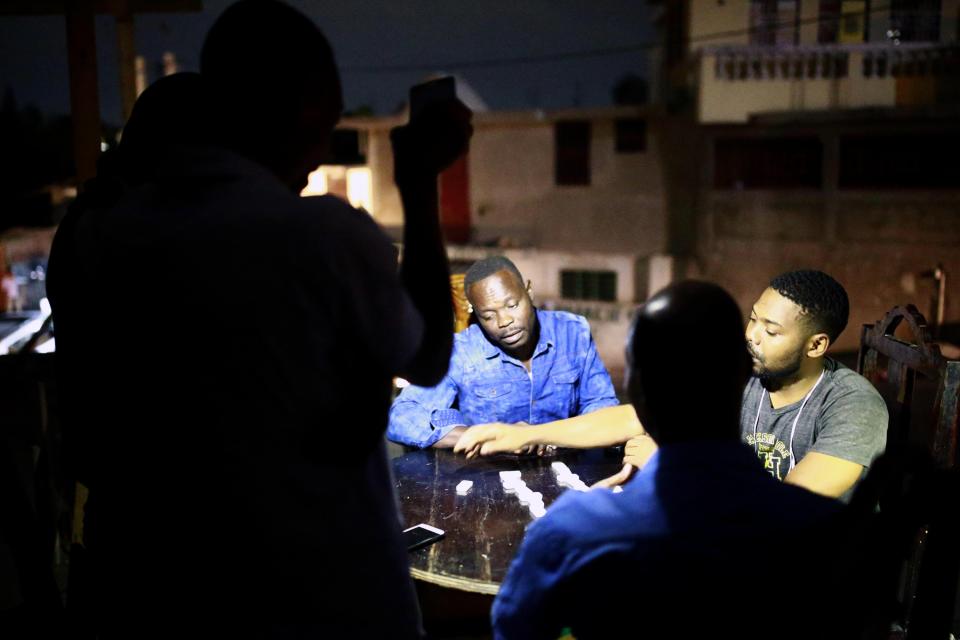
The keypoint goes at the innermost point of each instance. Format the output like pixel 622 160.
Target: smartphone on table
pixel 421 535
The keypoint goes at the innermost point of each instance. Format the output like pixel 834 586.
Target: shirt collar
pixel 545 342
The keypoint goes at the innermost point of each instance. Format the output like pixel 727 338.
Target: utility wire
pixel 594 53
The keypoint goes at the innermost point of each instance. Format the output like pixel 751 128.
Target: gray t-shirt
pixel 844 417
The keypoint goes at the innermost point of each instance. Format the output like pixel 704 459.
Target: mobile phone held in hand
pixel 421 535
pixel 434 91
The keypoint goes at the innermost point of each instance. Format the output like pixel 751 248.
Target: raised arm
pixel 422 149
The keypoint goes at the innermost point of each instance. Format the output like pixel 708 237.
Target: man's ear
pixel 529 290
pixel 817 345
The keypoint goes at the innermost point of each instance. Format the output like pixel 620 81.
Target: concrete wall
pixel 809 12
pixel 949 20
pixel 709 16
pixel 543 268
pixel 514 197
pixel 874 243
pixel 386 199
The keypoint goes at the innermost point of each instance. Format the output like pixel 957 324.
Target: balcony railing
pixel 751 62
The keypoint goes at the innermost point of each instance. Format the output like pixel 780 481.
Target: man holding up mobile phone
pixel 242 484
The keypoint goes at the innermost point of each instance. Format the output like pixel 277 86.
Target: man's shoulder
pixel 564 318
pixel 848 381
pixel 565 325
pixel 473 334
pixel 344 229
pixel 332 212
pixel 753 387
pixel 471 344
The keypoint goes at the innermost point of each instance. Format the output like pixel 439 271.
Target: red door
pixel 455 202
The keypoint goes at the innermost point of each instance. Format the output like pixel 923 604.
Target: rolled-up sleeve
pixel 420 416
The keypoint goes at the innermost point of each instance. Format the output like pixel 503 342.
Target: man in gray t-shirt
pixel 812 422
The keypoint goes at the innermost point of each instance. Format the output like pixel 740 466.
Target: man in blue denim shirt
pixel 519 365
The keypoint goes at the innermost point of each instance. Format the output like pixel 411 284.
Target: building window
pixel 914 21
pixel 589 285
pixel 348 147
pixel 352 184
pixel 774 22
pixel 768 163
pixel 843 21
pixel 572 152
pixel 917 161
pixel 631 135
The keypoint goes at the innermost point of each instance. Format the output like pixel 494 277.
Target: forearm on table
pixel 450 439
pixel 824 474
pixel 601 428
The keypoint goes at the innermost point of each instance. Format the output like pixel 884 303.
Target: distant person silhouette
pixel 702 540
pixel 242 480
pixel 167 113
pixel 9 290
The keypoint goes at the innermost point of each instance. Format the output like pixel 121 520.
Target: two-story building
pixel 825 136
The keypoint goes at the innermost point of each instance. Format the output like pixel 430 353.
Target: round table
pixel 485 527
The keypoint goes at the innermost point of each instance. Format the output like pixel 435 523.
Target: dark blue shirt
pixel 700 532
pixel 484 384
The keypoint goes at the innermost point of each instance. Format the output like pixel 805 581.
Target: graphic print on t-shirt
pixel 774 453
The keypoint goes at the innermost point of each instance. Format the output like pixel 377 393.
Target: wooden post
pixel 127 51
pixel 84 99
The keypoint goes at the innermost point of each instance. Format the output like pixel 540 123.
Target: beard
pixel 774 379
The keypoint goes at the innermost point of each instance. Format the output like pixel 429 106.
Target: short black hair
pixel 262 62
pixel 487 267
pixel 822 300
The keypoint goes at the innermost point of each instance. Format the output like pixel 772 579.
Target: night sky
pixel 421 37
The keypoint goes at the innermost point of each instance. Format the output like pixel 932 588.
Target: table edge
pixel 451 582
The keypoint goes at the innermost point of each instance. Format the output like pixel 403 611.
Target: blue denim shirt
pixel 483 384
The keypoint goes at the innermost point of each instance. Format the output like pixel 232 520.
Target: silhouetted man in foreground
pixel 241 477
pixel 702 540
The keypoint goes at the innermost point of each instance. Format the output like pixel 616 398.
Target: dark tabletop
pixel 484 528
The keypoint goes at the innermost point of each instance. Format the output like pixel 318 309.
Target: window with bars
pixel 588 285
pixel 768 163
pixel 774 22
pixel 899 161
pixel 572 139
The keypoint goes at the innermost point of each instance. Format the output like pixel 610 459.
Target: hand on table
pixel 497 437
pixel 635 454
pixel 616 479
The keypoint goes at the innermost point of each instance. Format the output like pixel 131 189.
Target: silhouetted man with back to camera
pixel 702 538
pixel 243 481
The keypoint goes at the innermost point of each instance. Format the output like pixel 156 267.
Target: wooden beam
pixel 84 96
pixel 127 52
pixel 110 7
